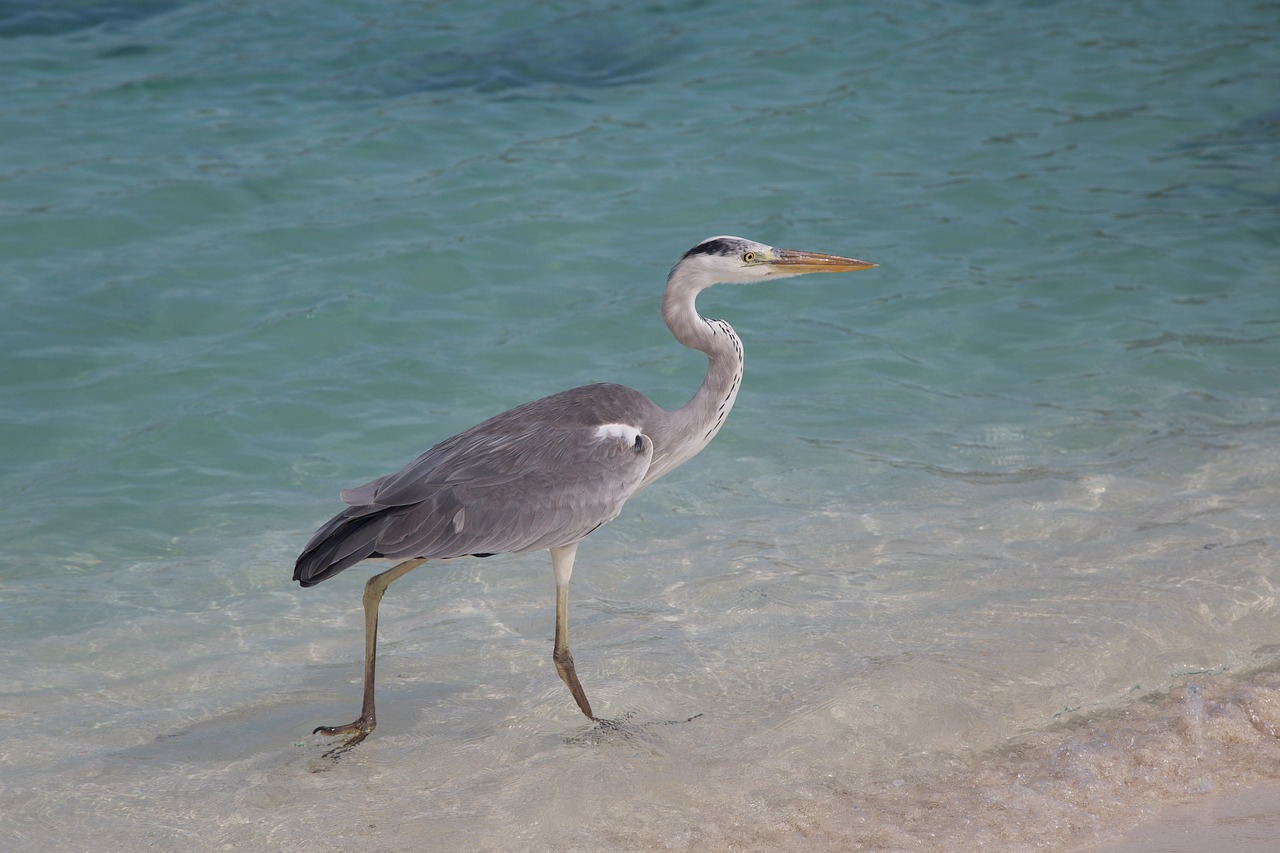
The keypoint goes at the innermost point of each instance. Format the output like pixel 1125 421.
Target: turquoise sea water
pixel 987 553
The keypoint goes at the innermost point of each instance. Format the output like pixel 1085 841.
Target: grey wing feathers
pixel 539 475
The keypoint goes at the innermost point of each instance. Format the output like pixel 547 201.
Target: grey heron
pixel 547 473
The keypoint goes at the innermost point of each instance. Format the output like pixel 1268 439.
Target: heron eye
pixel 748 257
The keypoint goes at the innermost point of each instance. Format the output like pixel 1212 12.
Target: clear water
pixel 987 553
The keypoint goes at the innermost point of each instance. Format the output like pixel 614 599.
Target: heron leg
pixel 562 566
pixel 367 721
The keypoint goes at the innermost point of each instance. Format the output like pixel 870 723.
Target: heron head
pixel 736 260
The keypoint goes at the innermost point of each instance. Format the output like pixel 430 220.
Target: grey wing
pixel 485 491
pixel 549 486
pixel 551 433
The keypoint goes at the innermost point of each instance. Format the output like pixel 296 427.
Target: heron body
pixel 547 473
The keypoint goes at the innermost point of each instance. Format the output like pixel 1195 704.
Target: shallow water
pixel 987 546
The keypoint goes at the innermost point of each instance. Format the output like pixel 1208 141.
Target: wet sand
pixel 1246 820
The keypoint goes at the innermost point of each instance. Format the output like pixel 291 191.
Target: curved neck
pixel 691 427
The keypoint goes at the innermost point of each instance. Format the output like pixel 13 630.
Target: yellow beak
pixel 792 262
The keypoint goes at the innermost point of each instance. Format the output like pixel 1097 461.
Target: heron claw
pixel 360 729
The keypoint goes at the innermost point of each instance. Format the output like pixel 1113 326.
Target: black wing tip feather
pixel 313 568
pixel 308 573
pixel 317 562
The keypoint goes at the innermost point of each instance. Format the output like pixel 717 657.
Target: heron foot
pixel 358 729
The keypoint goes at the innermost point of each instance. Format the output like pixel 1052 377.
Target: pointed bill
pixel 792 262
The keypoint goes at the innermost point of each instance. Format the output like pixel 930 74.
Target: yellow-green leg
pixel 562 566
pixel 368 720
